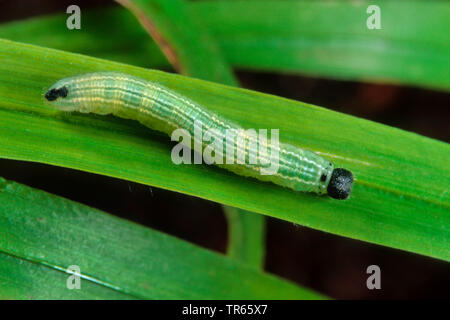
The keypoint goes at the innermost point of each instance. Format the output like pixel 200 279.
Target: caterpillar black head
pixel 61 95
pixel 53 94
pixel 341 184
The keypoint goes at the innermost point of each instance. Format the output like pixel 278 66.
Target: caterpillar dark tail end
pixel 341 184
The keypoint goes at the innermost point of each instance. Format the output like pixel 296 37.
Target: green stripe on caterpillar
pixel 162 109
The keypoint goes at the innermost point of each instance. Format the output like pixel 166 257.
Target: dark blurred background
pixel 330 264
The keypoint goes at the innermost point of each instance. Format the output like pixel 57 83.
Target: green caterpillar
pixel 159 108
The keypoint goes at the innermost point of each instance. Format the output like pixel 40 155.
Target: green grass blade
pixel 247 237
pixel 180 36
pixel 42 235
pixel 328 39
pixel 400 198
pixel 129 45
pixel 23 279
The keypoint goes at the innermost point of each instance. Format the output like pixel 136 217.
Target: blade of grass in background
pixel 323 38
pixel 400 198
pixel 195 52
pixel 331 39
pixel 41 235
pixel 190 50
pixel 129 44
pixel 246 237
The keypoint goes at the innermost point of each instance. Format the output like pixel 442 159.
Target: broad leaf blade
pixel 331 38
pixel 400 197
pixel 328 39
pixel 23 279
pixel 117 258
